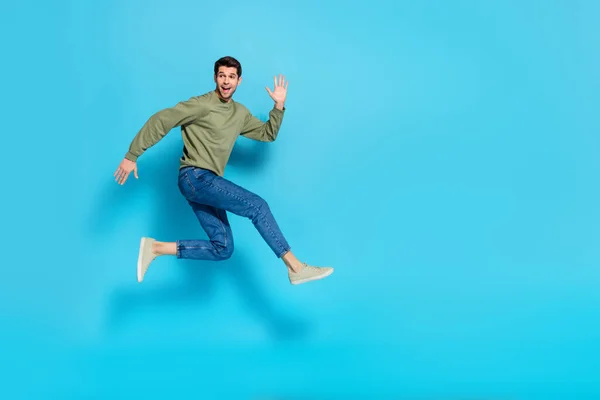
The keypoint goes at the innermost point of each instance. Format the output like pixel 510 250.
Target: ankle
pixel 157 248
pixel 295 267
pixel 164 248
pixel 291 262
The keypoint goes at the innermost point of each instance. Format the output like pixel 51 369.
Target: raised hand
pixel 279 92
pixel 125 168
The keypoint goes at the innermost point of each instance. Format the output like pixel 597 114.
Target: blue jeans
pixel 211 197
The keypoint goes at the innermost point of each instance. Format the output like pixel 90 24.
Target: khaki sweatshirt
pixel 209 127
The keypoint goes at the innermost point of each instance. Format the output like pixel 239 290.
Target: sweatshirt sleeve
pixel 159 124
pixel 263 131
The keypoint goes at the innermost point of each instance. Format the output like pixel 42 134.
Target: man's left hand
pixel 279 93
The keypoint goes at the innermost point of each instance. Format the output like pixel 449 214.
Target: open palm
pixel 279 92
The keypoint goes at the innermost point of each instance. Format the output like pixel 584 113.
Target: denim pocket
pixel 194 183
pixel 203 176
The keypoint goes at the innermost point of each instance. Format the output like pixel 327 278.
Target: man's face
pixel 227 81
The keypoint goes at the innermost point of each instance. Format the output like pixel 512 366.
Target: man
pixel 210 124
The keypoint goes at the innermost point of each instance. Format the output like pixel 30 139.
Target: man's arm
pixel 159 124
pixel 255 129
pixel 267 132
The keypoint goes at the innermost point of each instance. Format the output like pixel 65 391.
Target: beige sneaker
pixel 145 257
pixel 309 273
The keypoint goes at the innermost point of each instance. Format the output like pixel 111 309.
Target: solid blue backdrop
pixel 442 156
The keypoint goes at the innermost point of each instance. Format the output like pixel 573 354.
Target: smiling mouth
pixel 226 90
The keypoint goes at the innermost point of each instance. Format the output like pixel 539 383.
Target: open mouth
pixel 226 90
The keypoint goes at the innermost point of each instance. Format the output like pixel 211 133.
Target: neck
pixel 221 98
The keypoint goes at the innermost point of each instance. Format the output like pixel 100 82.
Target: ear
pixel 239 80
pixel 215 78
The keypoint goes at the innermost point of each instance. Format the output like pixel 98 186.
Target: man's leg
pixel 205 187
pixel 219 246
pixel 215 223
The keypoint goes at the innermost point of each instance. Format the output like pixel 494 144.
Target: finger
pixel 135 173
pixel 275 82
pixel 269 90
pixel 124 178
pixel 120 174
pixel 286 84
pixel 280 80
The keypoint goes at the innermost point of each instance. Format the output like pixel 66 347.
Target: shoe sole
pixel 314 278
pixel 140 257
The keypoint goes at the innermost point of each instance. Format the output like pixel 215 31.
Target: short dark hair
pixel 228 62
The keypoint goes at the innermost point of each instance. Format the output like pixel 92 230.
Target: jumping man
pixel 210 124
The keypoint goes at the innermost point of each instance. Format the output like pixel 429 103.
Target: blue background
pixel 442 156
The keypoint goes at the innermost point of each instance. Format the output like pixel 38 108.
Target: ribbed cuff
pixel 131 157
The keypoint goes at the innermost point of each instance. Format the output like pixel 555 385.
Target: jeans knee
pixel 227 252
pixel 259 206
pixel 224 251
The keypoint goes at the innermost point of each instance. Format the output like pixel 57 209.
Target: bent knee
pixel 259 206
pixel 224 252
pixel 227 252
